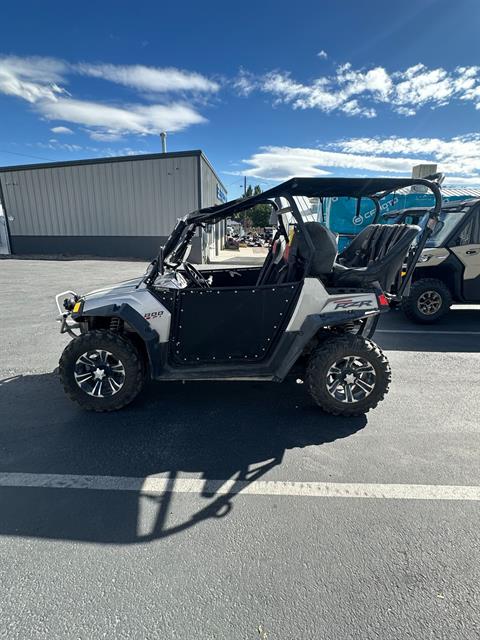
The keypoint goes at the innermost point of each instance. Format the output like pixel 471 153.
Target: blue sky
pixel 266 89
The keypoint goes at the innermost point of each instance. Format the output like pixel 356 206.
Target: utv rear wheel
pixel 428 301
pixel 102 371
pixel 348 375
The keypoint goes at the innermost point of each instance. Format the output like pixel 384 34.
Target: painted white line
pixel 431 333
pixel 155 484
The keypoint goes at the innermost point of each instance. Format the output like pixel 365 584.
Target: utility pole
pixel 245 195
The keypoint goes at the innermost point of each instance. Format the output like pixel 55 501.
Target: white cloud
pixel 322 54
pixel 31 79
pixel 329 94
pixel 59 146
pixel 115 121
pixel 245 83
pixel 55 145
pixel 61 130
pixel 418 86
pixel 358 92
pixel 103 136
pixel 281 163
pixel 39 81
pixel 352 108
pixel 458 157
pixel 154 79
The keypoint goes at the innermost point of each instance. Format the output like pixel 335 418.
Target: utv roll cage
pixel 175 249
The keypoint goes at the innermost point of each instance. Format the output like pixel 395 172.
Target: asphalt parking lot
pixel 323 533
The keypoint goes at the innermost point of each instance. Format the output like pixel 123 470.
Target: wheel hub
pixel 99 373
pixel 429 302
pixel 351 379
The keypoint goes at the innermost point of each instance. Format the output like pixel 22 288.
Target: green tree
pixel 257 216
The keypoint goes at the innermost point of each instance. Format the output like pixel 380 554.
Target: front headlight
pixel 69 304
pixel 66 301
pixel 424 258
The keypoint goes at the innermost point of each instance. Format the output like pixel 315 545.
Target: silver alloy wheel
pixel 429 302
pixel 351 379
pixel 99 373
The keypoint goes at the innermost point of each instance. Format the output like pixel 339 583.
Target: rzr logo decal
pixel 153 314
pixel 351 303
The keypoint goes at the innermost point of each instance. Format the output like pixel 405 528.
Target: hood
pixel 115 290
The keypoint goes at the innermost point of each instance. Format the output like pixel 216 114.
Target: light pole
pixel 245 213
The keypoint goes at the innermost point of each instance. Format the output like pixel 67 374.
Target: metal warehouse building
pixel 117 207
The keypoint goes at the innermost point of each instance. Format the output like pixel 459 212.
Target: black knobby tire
pixel 122 349
pixel 334 350
pixel 423 290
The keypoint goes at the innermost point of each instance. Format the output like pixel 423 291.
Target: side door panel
pixel 469 255
pixel 468 252
pixel 228 325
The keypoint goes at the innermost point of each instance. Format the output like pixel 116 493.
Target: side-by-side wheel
pixel 102 371
pixel 348 375
pixel 428 301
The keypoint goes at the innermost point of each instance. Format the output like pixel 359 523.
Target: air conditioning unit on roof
pixel 422 171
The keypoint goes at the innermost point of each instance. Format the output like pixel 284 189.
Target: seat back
pixel 273 262
pixel 325 249
pixel 356 253
pixel 288 262
pixel 376 255
pixel 371 244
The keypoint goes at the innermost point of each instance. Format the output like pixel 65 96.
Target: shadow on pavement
pixel 213 431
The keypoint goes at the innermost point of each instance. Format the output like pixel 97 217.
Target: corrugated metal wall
pixel 129 198
pixel 213 241
pixel 209 185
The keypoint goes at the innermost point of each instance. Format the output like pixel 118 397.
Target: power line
pixel 24 155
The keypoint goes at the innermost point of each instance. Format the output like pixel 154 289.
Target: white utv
pixel 448 270
pixel 307 310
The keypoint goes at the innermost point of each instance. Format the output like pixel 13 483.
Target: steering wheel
pixel 195 276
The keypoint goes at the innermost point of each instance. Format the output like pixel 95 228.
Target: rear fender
pixel 313 328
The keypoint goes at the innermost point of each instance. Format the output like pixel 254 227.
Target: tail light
pixel 382 300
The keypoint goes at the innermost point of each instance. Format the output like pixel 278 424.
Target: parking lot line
pixel 155 484
pixel 430 332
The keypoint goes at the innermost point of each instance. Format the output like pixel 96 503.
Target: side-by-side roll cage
pixel 375 189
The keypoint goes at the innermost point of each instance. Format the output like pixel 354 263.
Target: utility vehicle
pixel 305 311
pixel 448 270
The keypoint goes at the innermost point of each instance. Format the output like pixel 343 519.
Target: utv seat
pixel 375 255
pixel 274 264
pixel 325 251
pixel 287 262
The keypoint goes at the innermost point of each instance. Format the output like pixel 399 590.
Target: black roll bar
pixel 427 231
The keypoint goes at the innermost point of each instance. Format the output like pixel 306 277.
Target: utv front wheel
pixel 348 375
pixel 102 371
pixel 429 300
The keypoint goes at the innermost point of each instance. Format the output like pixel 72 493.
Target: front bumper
pixel 68 319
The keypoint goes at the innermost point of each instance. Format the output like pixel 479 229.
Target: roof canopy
pixel 316 188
